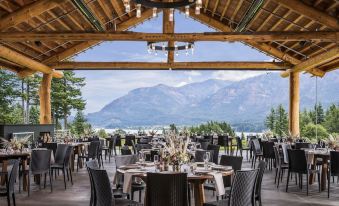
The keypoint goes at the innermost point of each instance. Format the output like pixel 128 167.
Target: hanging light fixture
pixel 155 47
pixel 155 5
pixel 171 15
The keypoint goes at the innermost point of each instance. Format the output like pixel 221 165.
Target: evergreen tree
pixel 79 123
pixel 305 119
pixel 270 120
pixel 281 123
pixel 318 115
pixel 332 119
pixel 66 96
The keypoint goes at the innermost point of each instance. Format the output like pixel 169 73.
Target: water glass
pixel 141 157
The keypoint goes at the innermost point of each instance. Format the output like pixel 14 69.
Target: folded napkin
pixel 284 148
pixel 219 183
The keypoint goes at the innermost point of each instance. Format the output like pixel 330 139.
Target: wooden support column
pixel 294 104
pixel 45 99
pixel 168 28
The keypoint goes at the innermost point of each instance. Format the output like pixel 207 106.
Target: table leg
pixel 72 161
pixel 324 175
pixel 25 176
pixel 199 196
pixel 4 169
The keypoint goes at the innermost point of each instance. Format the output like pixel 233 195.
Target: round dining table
pixel 196 180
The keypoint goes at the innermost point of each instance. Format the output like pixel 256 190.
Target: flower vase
pixel 165 166
pixel 176 167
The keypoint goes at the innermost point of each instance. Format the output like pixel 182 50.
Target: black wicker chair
pixel 215 148
pixel 199 155
pixel 280 166
pixel 125 150
pixel 333 169
pixel 40 165
pixel 167 189
pixel 93 149
pixel 257 152
pixel 242 190
pixel 241 148
pixel 268 153
pixel 261 168
pixel 298 164
pixel 116 143
pixel 8 191
pixel 65 165
pixel 223 142
pixel 300 145
pixel 103 190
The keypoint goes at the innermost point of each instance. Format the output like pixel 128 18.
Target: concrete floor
pixel 79 193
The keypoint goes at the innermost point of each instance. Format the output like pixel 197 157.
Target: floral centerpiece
pixel 333 142
pixel 175 151
pixel 14 143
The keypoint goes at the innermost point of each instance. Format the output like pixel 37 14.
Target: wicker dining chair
pixel 9 191
pixel 65 165
pixel 242 190
pixel 280 166
pixel 333 169
pixel 91 154
pixel 257 194
pixel 215 148
pixel 103 190
pixel 166 189
pixel 257 152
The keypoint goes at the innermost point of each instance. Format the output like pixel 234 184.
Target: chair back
pixel 223 140
pixel 140 147
pixel 60 153
pixel 93 149
pixel 121 160
pixel 174 193
pixel 40 161
pixel 215 149
pixel 102 187
pixel 199 155
pixel 130 140
pixel 92 164
pixel 334 164
pixel 278 158
pixel 235 162
pixel 268 151
pixel 297 161
pixel 256 146
pixel 300 145
pixel 261 168
pixel 13 175
pixel 117 140
pixel 239 143
pixel 68 155
pixel 51 146
pixel 209 138
pixel 242 190
pixel 125 150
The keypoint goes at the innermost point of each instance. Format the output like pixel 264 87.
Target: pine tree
pixel 305 119
pixel 318 115
pixel 332 119
pixel 270 120
pixel 66 96
pixel 281 123
pixel 79 123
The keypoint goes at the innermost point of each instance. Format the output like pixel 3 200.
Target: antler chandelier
pixel 155 5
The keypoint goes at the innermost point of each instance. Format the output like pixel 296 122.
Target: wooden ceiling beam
pixel 26 62
pixel 314 62
pixel 27 12
pixel 224 10
pixel 275 66
pixel 310 12
pixel 85 45
pixel 324 36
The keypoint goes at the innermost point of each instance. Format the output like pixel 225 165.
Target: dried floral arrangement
pixel 15 144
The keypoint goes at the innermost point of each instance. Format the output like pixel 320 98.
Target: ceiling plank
pixel 224 10
pixel 261 46
pixel 310 12
pixel 324 36
pixel 133 21
pixel 277 66
pixel 27 12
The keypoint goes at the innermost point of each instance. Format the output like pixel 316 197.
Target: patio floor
pixel 79 193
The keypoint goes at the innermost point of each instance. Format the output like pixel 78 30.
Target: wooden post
pixel 294 104
pixel 45 99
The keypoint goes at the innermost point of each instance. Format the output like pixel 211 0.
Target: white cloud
pixel 236 75
pixel 193 73
pixel 181 84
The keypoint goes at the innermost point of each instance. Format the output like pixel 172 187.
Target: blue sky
pixel 104 86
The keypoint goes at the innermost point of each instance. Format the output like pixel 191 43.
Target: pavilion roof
pixel 224 15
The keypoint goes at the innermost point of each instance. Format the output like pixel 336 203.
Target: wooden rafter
pixel 24 61
pixel 224 10
pixel 276 66
pixel 27 12
pixel 325 36
pixel 85 45
pixel 310 12
pixel 168 28
pixel 314 62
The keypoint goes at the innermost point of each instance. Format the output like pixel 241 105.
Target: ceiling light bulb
pixel 171 14
pixel 155 12
pixel 187 11
pixel 199 2
pixel 138 10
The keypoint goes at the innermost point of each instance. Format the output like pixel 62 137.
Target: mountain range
pixel 245 101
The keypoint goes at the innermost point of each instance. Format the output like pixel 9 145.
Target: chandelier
pixel 155 5
pixel 154 47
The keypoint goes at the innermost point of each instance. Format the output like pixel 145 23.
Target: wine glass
pixel 141 157
pixel 206 158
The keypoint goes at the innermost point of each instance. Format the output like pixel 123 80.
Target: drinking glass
pixel 141 157
pixel 206 159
